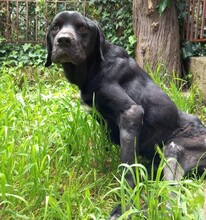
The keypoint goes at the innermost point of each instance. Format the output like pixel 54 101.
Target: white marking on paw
pixel 173 145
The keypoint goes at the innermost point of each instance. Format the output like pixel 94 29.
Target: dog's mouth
pixel 65 55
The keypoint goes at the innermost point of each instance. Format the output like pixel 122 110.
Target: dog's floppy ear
pixel 49 51
pixel 101 38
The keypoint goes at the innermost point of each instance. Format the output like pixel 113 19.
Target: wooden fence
pixel 195 21
pixel 26 21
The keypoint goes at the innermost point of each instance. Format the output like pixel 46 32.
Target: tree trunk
pixel 158 40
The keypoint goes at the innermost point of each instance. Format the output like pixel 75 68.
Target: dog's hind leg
pixel 173 169
pixel 184 154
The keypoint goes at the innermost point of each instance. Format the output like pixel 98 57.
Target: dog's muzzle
pixel 67 49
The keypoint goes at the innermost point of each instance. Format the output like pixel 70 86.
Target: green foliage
pixel 59 163
pixel 115 18
pixel 22 55
pixel 162 5
pixel 190 49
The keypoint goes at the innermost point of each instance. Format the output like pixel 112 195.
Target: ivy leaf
pixel 26 47
pixel 162 5
pixel 132 40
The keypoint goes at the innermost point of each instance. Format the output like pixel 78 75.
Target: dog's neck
pixel 79 74
pixel 74 74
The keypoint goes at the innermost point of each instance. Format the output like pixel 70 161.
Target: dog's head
pixel 72 38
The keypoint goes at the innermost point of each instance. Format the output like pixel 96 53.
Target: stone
pixel 198 69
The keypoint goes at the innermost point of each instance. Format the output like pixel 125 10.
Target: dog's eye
pixel 55 28
pixel 82 28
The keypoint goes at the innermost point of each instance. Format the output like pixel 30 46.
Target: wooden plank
pixel 197 20
pixel 27 16
pixel 203 20
pixel 17 20
pixel 192 20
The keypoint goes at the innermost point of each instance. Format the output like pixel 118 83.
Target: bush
pixel 22 55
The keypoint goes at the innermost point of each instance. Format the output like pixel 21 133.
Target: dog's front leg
pixel 130 123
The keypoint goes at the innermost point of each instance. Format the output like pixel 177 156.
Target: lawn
pixel 57 163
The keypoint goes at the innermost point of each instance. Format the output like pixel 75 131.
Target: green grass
pixel 54 162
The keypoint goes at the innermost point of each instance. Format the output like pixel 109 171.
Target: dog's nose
pixel 64 40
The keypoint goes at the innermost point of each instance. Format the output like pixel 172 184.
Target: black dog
pixel 136 110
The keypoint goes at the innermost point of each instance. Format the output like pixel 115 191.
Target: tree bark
pixel 158 40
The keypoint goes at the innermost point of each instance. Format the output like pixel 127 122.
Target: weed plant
pixel 56 161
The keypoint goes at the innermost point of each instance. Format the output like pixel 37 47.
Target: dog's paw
pixel 116 213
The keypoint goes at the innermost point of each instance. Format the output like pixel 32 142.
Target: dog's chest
pixel 90 91
pixel 88 94
pixel 87 98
